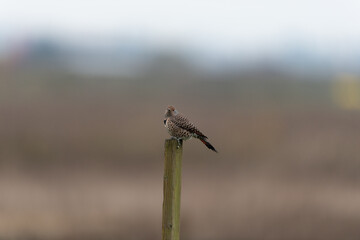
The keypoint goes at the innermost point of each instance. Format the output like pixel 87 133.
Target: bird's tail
pixel 207 144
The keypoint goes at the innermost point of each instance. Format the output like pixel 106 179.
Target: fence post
pixel 172 190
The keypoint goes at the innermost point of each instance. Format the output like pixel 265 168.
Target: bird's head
pixel 170 111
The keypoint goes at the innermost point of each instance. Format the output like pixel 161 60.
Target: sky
pixel 223 24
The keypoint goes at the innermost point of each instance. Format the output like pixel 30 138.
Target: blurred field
pixel 82 157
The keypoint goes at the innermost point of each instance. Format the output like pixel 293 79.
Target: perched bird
pixel 180 128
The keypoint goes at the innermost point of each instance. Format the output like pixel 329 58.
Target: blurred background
pixel 274 84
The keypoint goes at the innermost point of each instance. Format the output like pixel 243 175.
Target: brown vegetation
pixel 83 158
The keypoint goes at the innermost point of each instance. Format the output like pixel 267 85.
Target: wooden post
pixel 172 190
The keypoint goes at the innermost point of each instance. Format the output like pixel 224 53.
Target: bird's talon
pixel 179 143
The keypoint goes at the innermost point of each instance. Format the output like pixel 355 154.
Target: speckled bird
pixel 180 128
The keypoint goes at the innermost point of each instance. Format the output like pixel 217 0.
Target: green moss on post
pixel 172 191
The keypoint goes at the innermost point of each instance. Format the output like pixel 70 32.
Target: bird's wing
pixel 184 123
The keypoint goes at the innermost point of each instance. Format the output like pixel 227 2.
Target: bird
pixel 180 128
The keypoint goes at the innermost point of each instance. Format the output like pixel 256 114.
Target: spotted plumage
pixel 181 128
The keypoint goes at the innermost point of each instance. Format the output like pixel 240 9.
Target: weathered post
pixel 172 190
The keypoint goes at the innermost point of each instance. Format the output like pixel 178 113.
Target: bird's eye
pixel 165 121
